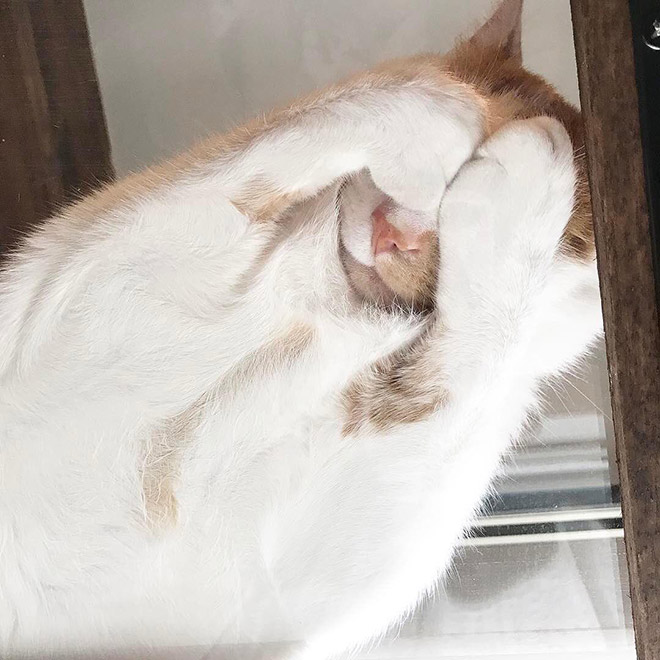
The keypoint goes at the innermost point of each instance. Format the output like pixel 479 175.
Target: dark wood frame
pixel 54 145
pixel 612 84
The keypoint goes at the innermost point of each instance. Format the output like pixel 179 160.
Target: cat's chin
pixel 394 282
pixel 370 287
pixel 365 281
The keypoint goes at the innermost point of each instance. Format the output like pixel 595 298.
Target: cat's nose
pixel 386 237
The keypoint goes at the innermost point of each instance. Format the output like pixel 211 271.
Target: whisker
pixel 593 403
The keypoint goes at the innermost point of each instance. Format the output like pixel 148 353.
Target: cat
pixel 256 394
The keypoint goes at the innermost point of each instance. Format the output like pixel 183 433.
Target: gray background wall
pixel 172 71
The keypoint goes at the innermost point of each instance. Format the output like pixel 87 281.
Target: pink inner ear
pixel 386 237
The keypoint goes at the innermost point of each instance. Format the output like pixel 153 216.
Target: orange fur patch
pixel 274 356
pixel 260 202
pixel 160 466
pixel 159 470
pixel 402 388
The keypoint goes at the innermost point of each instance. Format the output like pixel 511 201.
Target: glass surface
pixel 542 599
pixel 543 574
pixel 567 461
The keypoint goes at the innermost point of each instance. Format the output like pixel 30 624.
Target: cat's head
pixel 386 256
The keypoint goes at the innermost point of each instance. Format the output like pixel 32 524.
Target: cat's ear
pixel 502 31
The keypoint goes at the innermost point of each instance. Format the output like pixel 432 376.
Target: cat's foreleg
pixel 412 135
pixel 358 543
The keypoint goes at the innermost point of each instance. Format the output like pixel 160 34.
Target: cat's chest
pixel 303 369
pixel 284 393
pixel 268 426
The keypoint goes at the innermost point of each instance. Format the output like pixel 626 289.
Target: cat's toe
pixel 552 132
pixel 412 181
pixel 529 148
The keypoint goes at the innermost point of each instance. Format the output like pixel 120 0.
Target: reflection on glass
pixel 543 575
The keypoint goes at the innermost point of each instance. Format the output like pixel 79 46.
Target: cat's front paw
pixel 424 137
pixel 502 220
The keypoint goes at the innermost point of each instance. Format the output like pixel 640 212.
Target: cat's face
pixel 391 255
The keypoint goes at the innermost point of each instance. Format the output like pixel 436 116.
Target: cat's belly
pixel 180 550
pixel 254 450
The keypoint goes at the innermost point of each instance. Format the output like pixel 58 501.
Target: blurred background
pixel 171 72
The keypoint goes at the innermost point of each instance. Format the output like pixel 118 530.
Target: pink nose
pixel 386 237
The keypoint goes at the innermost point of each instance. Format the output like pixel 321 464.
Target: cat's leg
pixel 412 135
pixel 561 311
pixel 120 314
pixel 374 523
pixel 149 284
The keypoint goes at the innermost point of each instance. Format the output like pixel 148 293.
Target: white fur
pixel 287 530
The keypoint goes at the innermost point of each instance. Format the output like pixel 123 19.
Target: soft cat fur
pixel 223 420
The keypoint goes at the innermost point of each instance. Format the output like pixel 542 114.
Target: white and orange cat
pixel 256 394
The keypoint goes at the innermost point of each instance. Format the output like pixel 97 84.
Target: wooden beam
pixel 53 139
pixel 608 92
